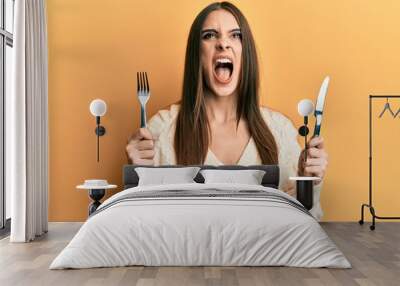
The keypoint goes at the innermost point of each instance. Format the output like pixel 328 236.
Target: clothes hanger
pixel 387 106
pixel 398 112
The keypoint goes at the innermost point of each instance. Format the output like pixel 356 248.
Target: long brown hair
pixel 192 127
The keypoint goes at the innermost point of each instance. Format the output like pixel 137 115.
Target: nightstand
pixel 304 190
pixel 97 190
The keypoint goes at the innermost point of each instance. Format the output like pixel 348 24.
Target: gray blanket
pixel 206 194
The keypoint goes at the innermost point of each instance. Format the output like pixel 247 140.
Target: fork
pixel 143 93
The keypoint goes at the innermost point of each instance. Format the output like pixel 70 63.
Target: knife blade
pixel 319 107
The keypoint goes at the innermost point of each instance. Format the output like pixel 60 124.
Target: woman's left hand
pixel 317 159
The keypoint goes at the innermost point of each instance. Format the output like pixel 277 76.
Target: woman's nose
pixel 223 44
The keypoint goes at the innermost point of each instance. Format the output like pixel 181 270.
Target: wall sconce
pixel 305 108
pixel 98 108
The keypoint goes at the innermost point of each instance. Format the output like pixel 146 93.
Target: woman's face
pixel 221 52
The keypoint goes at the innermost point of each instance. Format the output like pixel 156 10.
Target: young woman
pixel 219 120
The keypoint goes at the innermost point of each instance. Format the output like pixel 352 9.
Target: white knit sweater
pixel 162 126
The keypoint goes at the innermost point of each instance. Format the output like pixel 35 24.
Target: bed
pixel 201 224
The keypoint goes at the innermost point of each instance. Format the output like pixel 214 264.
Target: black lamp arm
pixel 100 131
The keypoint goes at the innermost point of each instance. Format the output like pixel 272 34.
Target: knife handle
pixel 318 121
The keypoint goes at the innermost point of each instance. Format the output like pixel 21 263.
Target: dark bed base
pixel 270 179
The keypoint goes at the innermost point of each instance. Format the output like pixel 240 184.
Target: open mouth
pixel 223 69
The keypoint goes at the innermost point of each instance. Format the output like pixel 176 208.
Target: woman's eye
pixel 237 35
pixel 209 35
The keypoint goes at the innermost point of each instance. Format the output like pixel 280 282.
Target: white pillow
pixel 248 177
pixel 165 176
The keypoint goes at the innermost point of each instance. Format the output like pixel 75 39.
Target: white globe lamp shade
pixel 98 107
pixel 305 107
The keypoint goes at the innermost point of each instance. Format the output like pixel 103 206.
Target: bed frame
pixel 270 179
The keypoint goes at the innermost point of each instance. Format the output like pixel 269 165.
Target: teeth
pixel 224 60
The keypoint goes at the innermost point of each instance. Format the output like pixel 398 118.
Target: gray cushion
pixel 270 179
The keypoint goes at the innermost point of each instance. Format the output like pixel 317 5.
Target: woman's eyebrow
pixel 209 30
pixel 215 31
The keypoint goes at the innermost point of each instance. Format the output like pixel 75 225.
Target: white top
pixel 88 187
pixel 162 125
pixel 96 184
pixel 304 178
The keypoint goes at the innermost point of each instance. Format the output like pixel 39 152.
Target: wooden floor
pixel 375 256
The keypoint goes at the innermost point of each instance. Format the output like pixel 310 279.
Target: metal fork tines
pixel 143 93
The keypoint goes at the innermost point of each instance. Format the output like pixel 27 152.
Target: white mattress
pixel 190 230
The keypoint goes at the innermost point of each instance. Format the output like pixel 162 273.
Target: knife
pixel 319 107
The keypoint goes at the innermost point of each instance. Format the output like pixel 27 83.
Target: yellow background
pixel 96 47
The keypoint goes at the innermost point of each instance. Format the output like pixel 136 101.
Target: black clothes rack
pixel 370 205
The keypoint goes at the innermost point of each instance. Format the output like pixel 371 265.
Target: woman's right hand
pixel 140 148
